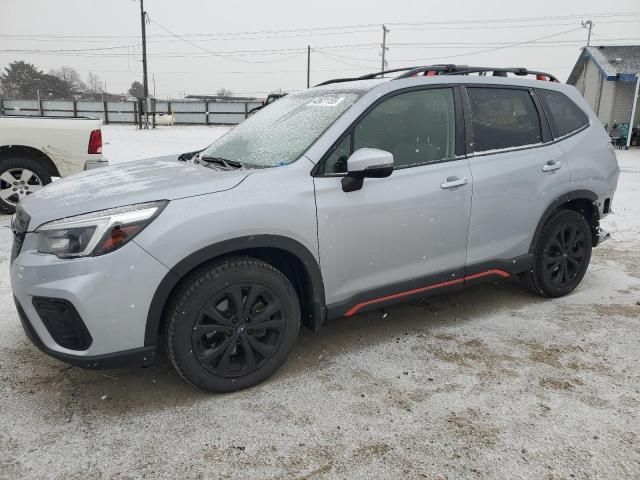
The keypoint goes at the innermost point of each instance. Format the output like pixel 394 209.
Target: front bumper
pixel 111 294
pixel 138 357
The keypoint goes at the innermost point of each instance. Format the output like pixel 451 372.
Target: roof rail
pixel 466 70
pixel 368 76
pixel 447 69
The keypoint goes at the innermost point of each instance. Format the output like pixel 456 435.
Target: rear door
pixel 517 172
pixel 397 235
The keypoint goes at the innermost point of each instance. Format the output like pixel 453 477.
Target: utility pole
pixel 153 119
pixel 308 66
pixel 385 30
pixel 145 83
pixel 589 25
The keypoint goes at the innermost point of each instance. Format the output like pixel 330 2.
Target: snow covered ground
pixel 489 383
pixel 123 143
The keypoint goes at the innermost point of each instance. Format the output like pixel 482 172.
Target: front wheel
pixel 232 324
pixel 562 255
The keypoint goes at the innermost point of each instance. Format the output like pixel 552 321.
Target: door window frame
pixel 545 126
pixel 460 129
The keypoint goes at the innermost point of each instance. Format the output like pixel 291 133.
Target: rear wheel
pixel 562 255
pixel 20 177
pixel 232 325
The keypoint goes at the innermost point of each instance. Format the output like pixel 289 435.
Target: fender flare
pixel 561 200
pixel 226 247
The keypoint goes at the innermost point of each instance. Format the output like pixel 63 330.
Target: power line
pixel 338 59
pixel 517 19
pixel 517 44
pixel 68 50
pixel 501 26
pixel 219 54
pixel 432 24
pixel 273 51
pixel 203 37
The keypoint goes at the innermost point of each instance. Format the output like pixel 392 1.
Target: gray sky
pixel 256 47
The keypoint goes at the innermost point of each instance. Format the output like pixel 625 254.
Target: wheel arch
pixel 292 258
pixel 7 151
pixel 581 201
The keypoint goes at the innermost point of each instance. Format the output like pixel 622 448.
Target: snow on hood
pixel 126 184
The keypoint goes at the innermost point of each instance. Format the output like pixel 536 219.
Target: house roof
pixel 615 62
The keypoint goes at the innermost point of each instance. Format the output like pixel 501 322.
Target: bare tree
pixel 71 77
pixel 94 83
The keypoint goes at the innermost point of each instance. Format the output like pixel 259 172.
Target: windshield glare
pixel 281 132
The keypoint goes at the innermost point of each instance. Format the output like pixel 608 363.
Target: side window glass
pixel 337 161
pixel 565 116
pixel 416 127
pixel 503 118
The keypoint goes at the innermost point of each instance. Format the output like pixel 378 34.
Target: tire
pixel 220 343
pixel 562 255
pixel 13 171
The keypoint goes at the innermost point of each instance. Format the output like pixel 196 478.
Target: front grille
pixel 63 323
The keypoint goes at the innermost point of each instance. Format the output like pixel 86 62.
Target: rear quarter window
pixel 564 115
pixel 503 118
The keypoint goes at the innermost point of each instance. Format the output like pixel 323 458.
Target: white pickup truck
pixel 34 149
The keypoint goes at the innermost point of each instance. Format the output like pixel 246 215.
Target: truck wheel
pixel 20 177
pixel 232 325
pixel 562 255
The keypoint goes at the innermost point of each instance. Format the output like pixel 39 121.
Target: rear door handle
pixel 453 182
pixel 551 165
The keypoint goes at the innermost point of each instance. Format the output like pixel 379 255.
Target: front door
pixel 401 235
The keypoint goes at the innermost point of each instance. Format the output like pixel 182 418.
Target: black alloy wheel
pixel 239 329
pixel 562 255
pixel 232 324
pixel 565 254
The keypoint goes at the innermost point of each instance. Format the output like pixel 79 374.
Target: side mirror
pixel 366 163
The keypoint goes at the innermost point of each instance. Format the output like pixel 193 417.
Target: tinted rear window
pixel 503 118
pixel 565 116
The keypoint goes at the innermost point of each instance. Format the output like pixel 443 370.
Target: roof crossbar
pixel 446 70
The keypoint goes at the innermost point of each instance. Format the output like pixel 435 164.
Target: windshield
pixel 281 132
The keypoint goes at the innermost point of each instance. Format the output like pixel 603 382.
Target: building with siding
pixel 608 77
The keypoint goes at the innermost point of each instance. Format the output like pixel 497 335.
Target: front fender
pixel 226 248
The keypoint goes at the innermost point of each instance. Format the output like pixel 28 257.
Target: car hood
pixel 126 184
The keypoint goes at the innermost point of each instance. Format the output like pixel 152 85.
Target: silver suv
pixel 342 198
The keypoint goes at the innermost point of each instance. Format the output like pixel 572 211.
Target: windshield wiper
pixel 223 161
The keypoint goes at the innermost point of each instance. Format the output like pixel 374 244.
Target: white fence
pixel 203 112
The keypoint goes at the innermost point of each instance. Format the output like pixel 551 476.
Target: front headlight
pixel 96 233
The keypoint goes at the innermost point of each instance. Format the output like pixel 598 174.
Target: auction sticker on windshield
pixel 325 101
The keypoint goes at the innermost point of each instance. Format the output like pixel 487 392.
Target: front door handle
pixel 453 182
pixel 551 165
